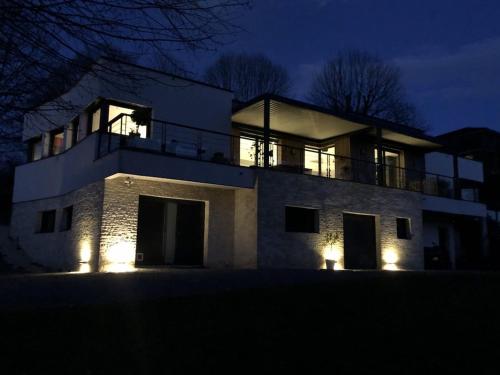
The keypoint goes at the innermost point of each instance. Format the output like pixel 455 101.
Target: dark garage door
pixel 360 250
pixel 170 231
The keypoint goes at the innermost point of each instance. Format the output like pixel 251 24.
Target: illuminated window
pixel 57 142
pixel 298 219
pixel 403 228
pixel 125 125
pixel 311 161
pixel 47 220
pixel 252 152
pixel 96 120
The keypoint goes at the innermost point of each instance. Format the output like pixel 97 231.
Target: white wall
pixel 173 99
pixel 453 206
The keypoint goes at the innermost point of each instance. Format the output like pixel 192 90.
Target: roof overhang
pixel 318 124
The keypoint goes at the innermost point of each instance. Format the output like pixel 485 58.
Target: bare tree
pixel 39 37
pixel 358 82
pixel 248 75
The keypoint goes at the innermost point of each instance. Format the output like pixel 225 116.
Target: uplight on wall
pixel 85 256
pixel 119 257
pixel 333 254
pixel 390 257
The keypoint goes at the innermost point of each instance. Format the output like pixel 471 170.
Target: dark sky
pixel 448 51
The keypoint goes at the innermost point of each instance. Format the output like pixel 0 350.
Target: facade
pixel 165 171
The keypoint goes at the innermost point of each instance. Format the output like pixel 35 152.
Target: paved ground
pixel 176 321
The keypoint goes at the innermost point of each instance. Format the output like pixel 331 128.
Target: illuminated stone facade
pixel 278 248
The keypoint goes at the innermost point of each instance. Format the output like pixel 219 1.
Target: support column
pixel 380 159
pixel 267 130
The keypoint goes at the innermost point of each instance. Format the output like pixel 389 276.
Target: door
pixel 150 231
pixel 189 233
pixel 360 249
pixel 170 232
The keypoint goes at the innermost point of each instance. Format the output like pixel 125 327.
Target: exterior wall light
pixel 85 257
pixel 333 252
pixel 119 257
pixel 390 258
pixel 128 182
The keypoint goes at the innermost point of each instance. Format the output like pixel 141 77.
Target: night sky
pixel 448 51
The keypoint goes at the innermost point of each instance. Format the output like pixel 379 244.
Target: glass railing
pixel 248 151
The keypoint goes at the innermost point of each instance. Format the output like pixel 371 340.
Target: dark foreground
pixel 261 322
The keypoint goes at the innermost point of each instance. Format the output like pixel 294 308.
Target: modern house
pixel 164 170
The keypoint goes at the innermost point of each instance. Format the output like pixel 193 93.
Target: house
pixel 163 170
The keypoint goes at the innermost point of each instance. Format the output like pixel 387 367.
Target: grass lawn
pixel 394 322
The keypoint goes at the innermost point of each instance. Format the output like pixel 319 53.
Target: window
pixel 96 120
pixel 299 219
pixel 47 221
pixel 35 149
pixel 391 159
pixel 75 126
pixel 252 152
pixel 67 218
pixel 57 142
pixel 125 125
pixel 403 228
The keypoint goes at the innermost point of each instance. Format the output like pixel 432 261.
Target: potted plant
pixel 331 239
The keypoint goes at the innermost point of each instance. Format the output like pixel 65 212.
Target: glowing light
pixel 390 256
pixel 84 268
pixel 335 253
pixel 120 257
pixel 85 252
pixel 390 267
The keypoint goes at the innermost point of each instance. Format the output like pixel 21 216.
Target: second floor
pixel 195 123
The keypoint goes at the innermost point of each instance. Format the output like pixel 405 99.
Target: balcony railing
pixel 211 146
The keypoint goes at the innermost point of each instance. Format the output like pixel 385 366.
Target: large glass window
pixel 252 152
pixel 311 161
pixel 125 125
pixel 392 167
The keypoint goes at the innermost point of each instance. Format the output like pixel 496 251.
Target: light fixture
pixel 128 182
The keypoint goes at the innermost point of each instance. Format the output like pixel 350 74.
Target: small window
pixel 96 120
pixel 67 218
pixel 35 149
pixel 47 221
pixel 403 228
pixel 299 219
pixel 57 142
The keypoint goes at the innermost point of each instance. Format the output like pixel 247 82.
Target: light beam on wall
pixel 390 257
pixel 120 257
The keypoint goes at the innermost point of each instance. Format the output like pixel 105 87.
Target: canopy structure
pixel 318 124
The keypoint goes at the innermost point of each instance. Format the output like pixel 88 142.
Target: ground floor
pixel 286 221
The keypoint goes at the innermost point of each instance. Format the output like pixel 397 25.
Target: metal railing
pixel 248 151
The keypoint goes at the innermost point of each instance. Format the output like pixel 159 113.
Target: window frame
pixel 66 222
pixel 52 136
pixel 295 227
pixel 31 147
pixel 407 235
pixel 46 228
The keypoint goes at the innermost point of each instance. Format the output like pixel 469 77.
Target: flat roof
pixel 317 123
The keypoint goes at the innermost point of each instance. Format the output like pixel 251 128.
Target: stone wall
pixel 120 213
pixel 61 250
pixel 277 248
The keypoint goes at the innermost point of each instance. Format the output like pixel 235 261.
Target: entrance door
pixel 360 250
pixel 170 232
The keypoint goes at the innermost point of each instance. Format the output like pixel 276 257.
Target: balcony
pixel 186 142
